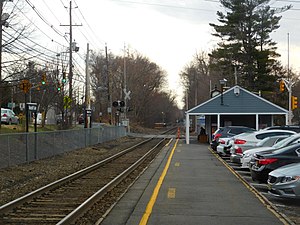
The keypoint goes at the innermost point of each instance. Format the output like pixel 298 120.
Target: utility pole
pixel 71 45
pixel 71 56
pixel 196 95
pixel 87 118
pixel 125 82
pixel 109 97
pixel 1 9
pixel 289 83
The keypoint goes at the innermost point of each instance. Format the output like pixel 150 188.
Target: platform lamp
pixel 223 84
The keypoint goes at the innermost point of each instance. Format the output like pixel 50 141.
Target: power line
pixel 21 11
pixel 97 38
pixel 43 19
pixel 29 48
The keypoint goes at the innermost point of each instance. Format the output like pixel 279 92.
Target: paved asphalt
pixel 197 189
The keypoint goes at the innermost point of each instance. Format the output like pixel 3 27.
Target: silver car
pixel 8 116
pixel 285 181
pixel 243 142
pixel 264 145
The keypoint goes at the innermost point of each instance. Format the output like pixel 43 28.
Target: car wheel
pixel 9 122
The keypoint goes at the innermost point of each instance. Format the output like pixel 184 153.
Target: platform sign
pixel 32 107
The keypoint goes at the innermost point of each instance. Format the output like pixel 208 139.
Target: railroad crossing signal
pixel 118 103
pixel 294 102
pixel 281 86
pixel 25 86
pixel 127 94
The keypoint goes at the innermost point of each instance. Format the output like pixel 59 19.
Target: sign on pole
pixel 127 94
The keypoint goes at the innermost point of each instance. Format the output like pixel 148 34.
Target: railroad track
pixel 65 200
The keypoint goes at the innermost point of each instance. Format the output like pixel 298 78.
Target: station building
pixel 235 107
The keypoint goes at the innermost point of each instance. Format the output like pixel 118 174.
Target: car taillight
pixel 238 150
pixel 4 115
pixel 266 161
pixel 239 141
pixel 217 136
pixel 222 142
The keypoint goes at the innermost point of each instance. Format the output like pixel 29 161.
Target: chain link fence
pixel 22 148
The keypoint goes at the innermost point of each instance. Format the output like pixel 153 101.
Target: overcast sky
pixel 168 32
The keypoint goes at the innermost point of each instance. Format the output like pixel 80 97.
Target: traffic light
pixel 44 79
pixel 281 86
pixel 294 102
pixel 58 85
pixel 64 80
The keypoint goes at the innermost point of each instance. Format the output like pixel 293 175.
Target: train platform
pixel 187 184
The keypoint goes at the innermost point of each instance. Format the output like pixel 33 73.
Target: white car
pixel 243 142
pixel 264 145
pixel 223 147
pixel 8 116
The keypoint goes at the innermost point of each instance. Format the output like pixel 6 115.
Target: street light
pixel 223 84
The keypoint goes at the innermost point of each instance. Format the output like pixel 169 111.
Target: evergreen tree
pixel 245 42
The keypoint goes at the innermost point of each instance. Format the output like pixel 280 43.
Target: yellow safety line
pixel 262 199
pixel 153 198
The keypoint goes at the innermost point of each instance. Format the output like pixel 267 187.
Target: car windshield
pixel 287 141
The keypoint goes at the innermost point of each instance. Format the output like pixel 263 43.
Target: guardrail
pixel 22 148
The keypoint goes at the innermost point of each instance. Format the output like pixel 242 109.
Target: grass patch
pixel 20 128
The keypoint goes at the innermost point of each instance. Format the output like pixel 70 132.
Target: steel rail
pixel 80 210
pixel 10 205
pixel 7 208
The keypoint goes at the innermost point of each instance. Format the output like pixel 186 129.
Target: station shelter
pixel 235 107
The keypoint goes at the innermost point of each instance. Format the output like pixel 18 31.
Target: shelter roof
pixel 237 100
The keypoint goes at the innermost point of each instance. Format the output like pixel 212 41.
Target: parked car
pixel 284 127
pixel 294 139
pixel 285 181
pixel 267 162
pixel 223 147
pixel 8 116
pixel 228 131
pixel 248 141
pixel 269 143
